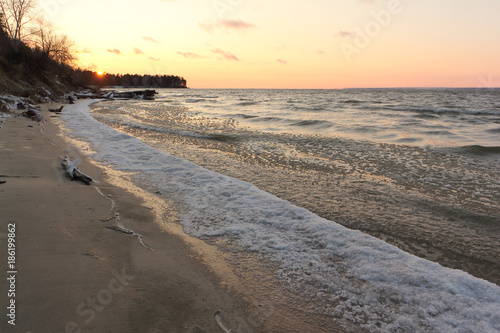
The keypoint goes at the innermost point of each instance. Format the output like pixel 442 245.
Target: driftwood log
pixel 59 110
pixel 33 114
pixel 73 172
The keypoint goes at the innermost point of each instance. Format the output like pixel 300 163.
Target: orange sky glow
pixel 289 44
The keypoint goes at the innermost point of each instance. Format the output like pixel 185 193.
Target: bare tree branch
pixel 55 46
pixel 17 15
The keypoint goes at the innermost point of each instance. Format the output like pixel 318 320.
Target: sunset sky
pixel 289 44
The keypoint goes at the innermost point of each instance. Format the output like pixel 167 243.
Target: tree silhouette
pixel 54 46
pixel 86 77
pixel 16 16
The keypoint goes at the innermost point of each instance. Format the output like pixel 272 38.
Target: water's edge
pixel 342 273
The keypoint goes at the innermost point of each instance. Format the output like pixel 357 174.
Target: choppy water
pixel 444 117
pixel 418 169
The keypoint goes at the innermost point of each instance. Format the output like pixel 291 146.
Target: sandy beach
pixel 238 172
pixel 159 244
pixel 73 274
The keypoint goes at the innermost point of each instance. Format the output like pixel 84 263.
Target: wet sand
pixel 76 275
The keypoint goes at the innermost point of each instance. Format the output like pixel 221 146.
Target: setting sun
pixel 99 73
pixel 339 43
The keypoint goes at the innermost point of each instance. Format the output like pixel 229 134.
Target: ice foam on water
pixel 347 273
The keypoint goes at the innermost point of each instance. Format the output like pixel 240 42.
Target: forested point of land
pixel 37 62
pixel 131 80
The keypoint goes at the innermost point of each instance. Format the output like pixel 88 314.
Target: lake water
pixel 278 174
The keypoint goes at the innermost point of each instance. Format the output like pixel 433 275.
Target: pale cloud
pixel 226 55
pixel 115 51
pixel 190 55
pixel 150 39
pixel 225 25
pixel 281 61
pixel 154 59
pixel 345 34
pixel 137 51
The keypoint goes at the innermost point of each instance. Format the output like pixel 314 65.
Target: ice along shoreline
pixel 345 272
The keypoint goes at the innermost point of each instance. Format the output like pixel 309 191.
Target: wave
pixel 203 96
pixel 195 100
pixel 366 129
pixel 220 137
pixel 198 100
pixel 426 116
pixel 481 150
pixel 249 103
pixel 425 110
pixel 353 101
pixel 314 108
pixel 267 119
pixel 241 115
pixel 314 123
pixel 409 140
pixel 442 111
pixel 438 133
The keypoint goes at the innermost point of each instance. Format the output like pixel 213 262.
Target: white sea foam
pixel 347 273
